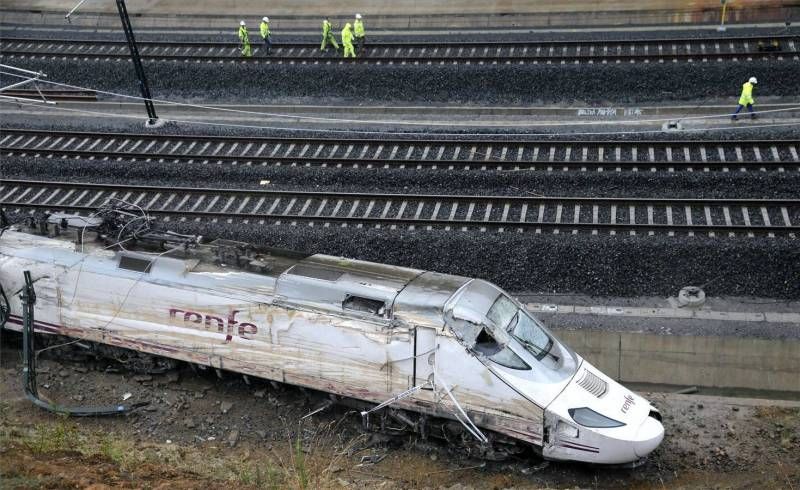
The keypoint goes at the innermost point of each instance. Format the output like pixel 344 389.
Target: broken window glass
pixel 505 314
pixel 365 305
pixel 488 346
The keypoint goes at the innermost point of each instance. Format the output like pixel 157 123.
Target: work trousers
pixel 267 45
pixel 329 39
pixel 348 51
pixel 749 108
pixel 246 51
pixel 360 42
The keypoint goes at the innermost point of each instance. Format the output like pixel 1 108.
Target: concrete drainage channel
pixel 703 361
pixel 757 352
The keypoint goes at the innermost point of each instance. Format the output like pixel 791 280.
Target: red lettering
pixel 220 323
pixel 187 317
pixel 246 329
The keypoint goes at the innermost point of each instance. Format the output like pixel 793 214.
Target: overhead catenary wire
pixel 395 122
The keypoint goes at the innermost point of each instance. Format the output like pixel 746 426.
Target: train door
pixel 424 357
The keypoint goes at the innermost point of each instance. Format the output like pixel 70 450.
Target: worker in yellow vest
pixel 244 39
pixel 360 34
pixel 746 99
pixel 327 36
pixel 347 41
pixel 266 34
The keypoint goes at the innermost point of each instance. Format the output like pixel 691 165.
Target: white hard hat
pixel 358 16
pixel 265 19
pixel 241 23
pixel 753 80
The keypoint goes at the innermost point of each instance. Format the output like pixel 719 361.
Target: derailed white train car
pixel 452 347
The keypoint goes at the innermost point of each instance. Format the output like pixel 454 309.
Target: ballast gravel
pixel 454 84
pixel 619 265
pixel 543 264
pixel 593 265
pixel 681 184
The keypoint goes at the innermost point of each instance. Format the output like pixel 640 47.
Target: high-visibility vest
pixel 358 27
pixel 347 35
pixel 747 94
pixel 243 36
pixel 326 28
pixel 264 29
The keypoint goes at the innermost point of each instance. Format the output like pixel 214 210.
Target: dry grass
pixel 309 460
pixel 315 455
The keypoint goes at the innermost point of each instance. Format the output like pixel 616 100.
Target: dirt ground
pixel 200 431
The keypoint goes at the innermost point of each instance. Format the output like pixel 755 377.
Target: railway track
pixel 734 217
pixel 493 154
pixel 498 52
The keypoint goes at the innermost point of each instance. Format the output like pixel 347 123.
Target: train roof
pixel 318 281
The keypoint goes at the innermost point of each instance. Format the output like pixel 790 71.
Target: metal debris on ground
pixel 370 459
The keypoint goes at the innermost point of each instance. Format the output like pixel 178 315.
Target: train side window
pixel 365 305
pixel 135 264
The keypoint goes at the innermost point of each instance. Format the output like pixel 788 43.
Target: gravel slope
pixel 487 84
pixel 521 183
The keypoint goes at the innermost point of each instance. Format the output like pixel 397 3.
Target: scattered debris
pixel 371 459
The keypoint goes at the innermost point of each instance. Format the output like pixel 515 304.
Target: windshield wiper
pixel 542 352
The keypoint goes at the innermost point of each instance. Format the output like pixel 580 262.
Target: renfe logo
pixel 211 322
pixel 628 403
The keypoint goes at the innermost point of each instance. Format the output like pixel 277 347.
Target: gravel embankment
pixel 600 265
pixel 594 265
pixel 454 84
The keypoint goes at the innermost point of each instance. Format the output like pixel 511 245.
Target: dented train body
pixel 356 329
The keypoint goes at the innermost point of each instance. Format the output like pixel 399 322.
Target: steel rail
pixel 615 58
pixel 411 210
pixel 491 139
pixel 428 163
pixel 478 44
pixel 499 153
pixel 426 51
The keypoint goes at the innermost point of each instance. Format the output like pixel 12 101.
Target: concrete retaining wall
pixel 719 362
pixel 423 16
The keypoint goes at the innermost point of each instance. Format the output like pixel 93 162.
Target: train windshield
pixel 505 313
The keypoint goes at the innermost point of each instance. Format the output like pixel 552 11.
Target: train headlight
pixel 589 418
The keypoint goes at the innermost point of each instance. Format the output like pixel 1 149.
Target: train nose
pixel 649 436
